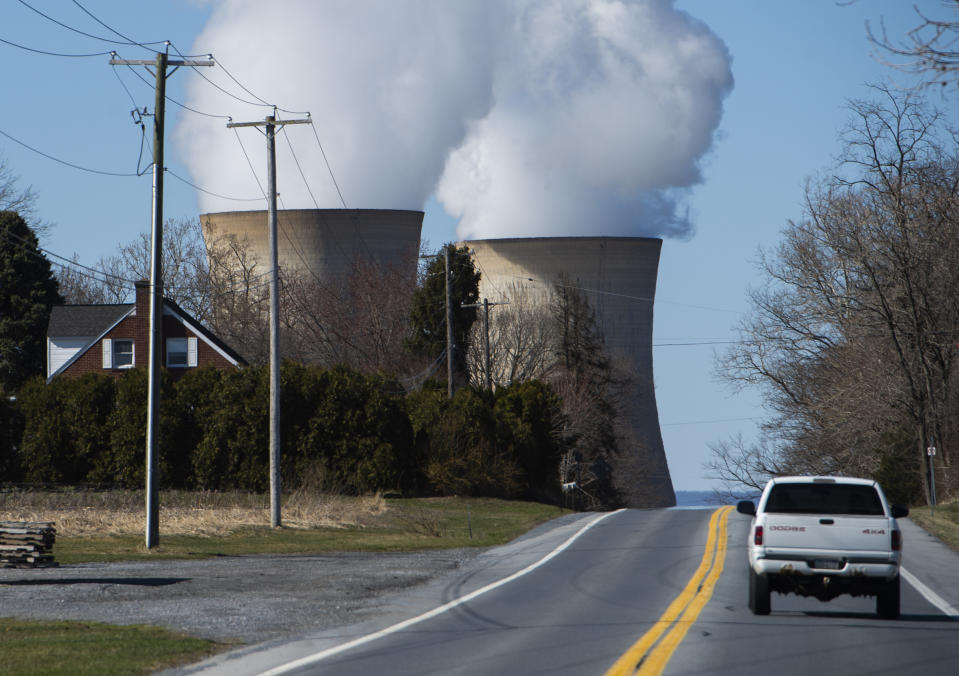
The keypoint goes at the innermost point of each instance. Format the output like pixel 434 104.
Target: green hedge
pixel 341 430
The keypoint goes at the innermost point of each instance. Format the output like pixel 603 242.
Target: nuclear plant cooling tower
pixel 618 277
pixel 326 242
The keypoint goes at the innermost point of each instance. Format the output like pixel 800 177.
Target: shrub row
pixel 339 428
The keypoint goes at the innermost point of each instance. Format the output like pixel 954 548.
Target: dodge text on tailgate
pixel 822 537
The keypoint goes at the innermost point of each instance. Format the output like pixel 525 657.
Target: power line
pixel 130 41
pixel 259 101
pixel 248 162
pixel 171 99
pixel 40 252
pixel 265 103
pixel 300 169
pixel 85 34
pixel 210 192
pixel 328 167
pixel 64 162
pixel 42 51
pixel 707 422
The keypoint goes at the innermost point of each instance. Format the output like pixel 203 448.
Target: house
pixel 111 338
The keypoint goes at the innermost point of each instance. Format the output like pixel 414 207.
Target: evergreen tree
pixel 27 291
pixel 428 310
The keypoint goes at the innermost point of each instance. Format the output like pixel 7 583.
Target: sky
pixel 698 121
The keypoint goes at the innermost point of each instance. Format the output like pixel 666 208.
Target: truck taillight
pixel 758 535
pixel 896 541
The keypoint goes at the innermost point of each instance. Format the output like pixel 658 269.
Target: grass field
pixel 109 526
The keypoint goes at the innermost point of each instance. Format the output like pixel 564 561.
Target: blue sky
pixel 795 66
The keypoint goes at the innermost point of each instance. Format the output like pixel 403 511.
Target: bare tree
pixel 185 270
pixel 13 198
pixel 522 342
pixel 361 321
pixel 853 337
pixel 237 288
pixel 929 50
pixel 220 283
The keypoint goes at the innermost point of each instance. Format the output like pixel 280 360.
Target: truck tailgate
pixel 819 534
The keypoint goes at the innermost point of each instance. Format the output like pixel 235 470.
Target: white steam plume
pixel 525 117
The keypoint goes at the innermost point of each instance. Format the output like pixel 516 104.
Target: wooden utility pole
pixel 486 306
pixel 270 123
pixel 449 327
pixel 161 63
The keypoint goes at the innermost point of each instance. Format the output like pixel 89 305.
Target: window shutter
pixel 107 353
pixel 191 352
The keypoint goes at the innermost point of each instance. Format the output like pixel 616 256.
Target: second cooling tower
pixel 618 277
pixel 325 242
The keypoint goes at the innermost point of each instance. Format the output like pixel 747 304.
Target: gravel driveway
pixel 251 599
pixel 246 599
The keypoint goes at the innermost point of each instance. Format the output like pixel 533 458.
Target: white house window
pixel 117 354
pixel 181 352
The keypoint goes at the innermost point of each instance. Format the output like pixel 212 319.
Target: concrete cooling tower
pixel 327 242
pixel 618 277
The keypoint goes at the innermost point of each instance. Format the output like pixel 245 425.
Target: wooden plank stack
pixel 27 544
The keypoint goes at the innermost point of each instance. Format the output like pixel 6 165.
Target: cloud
pixel 524 117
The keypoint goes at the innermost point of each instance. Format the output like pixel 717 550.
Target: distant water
pixel 698 499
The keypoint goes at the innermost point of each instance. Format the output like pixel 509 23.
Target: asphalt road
pixel 578 612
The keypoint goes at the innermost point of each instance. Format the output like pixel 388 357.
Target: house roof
pixel 84 320
pixel 201 330
pixel 95 321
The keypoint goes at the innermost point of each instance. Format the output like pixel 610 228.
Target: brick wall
pixel 137 328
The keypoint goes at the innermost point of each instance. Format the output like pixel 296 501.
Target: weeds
pixel 204 513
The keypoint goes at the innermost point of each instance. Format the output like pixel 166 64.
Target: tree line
pixel 363 405
pixel 341 431
pixel 854 338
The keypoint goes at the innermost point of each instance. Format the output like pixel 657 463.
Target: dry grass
pixel 86 513
pixel 943 522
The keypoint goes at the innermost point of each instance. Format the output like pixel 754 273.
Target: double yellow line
pixel 649 655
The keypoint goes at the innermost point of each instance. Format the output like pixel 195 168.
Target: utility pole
pixel 486 306
pixel 449 327
pixel 270 123
pixel 161 63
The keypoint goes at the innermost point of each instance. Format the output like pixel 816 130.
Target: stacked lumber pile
pixel 27 544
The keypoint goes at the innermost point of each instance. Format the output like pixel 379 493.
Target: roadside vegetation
pixel 109 525
pixel 104 526
pixel 942 521
pixel 92 648
pixel 852 339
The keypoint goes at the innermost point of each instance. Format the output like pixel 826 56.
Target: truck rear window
pixel 824 499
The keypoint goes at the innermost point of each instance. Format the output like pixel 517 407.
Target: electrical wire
pixel 174 101
pixel 89 35
pixel 130 41
pixel 138 121
pixel 209 192
pixel 328 167
pixel 707 422
pixel 240 85
pixel 42 51
pixel 40 252
pixel 249 163
pixel 300 168
pixel 64 162
pixel 214 84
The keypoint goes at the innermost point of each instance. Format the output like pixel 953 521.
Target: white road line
pixel 931 596
pixel 323 654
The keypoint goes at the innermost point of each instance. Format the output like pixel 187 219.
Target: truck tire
pixel 887 600
pixel 758 593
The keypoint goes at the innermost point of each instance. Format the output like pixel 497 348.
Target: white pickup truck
pixel 822 537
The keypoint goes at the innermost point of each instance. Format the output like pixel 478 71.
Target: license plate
pixel 827 564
